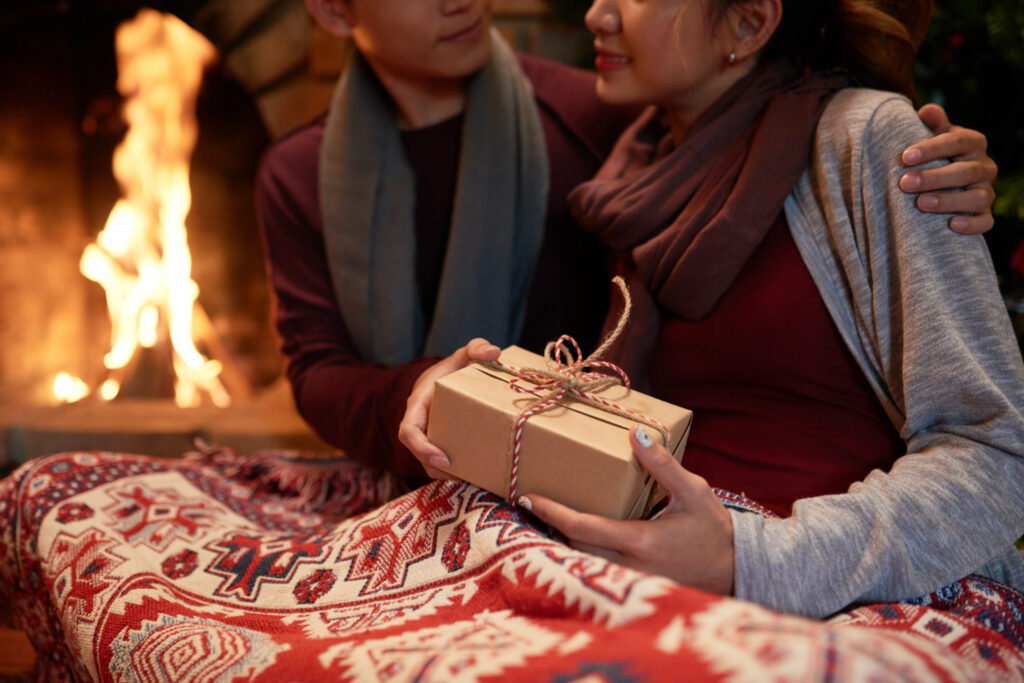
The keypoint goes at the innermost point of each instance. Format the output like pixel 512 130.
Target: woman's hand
pixel 412 431
pixel 971 169
pixel 690 540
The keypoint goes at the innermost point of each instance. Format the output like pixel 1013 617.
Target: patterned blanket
pixel 269 568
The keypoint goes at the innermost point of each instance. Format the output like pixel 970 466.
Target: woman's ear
pixel 335 16
pixel 752 25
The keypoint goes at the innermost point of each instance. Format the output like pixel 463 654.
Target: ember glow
pixel 141 257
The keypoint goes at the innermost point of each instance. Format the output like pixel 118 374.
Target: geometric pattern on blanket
pixel 275 568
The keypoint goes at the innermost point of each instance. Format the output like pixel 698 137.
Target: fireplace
pixel 61 119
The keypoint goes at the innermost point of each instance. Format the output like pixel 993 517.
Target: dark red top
pixel 781 409
pixel 356 405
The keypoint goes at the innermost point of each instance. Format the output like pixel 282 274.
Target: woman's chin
pixel 616 95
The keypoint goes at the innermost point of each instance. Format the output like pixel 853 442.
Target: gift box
pixel 573 452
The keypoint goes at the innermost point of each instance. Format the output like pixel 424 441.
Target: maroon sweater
pixel 781 411
pixel 356 405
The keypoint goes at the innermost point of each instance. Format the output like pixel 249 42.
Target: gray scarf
pixel 367 197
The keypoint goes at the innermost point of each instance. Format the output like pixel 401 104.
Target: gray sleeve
pixel 920 309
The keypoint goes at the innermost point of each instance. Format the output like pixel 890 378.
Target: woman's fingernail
pixel 928 202
pixel 440 461
pixel 525 503
pixel 912 156
pixel 643 438
pixel 958 223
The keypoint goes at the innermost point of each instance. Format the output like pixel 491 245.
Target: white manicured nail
pixel 525 503
pixel 643 438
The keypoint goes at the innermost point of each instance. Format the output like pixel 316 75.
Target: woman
pixel 357 334
pixel 862 382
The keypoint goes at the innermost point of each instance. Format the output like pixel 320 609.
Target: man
pixel 428 207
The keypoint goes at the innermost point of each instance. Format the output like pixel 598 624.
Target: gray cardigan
pixel 920 309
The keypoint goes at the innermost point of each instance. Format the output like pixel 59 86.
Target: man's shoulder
pixel 557 79
pixel 296 152
pixel 568 94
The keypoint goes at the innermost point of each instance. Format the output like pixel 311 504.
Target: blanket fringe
pixel 330 485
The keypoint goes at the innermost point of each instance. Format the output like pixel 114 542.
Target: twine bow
pixel 568 375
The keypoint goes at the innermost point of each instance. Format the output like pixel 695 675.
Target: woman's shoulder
pixel 862 118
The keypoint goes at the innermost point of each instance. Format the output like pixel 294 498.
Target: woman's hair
pixel 876 40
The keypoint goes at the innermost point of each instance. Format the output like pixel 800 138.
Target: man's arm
pixel 352 404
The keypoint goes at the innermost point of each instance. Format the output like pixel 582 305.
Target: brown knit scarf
pixel 692 216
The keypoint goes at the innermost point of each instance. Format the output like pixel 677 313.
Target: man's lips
pixel 606 60
pixel 470 33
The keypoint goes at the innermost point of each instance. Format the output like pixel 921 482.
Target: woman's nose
pixel 449 7
pixel 602 18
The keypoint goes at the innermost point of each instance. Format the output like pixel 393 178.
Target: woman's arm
pixel 928 327
pixel 921 311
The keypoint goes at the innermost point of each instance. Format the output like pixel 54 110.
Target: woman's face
pixel 662 52
pixel 422 40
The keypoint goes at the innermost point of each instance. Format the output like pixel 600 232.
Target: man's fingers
pixel 412 430
pixel 958 174
pixel 972 225
pixel 974 200
pixel 415 439
pixel 935 118
pixel 481 349
pixel 413 427
pixel 958 143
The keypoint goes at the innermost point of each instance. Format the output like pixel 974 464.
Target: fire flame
pixel 141 257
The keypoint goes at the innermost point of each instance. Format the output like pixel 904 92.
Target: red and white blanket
pixel 217 567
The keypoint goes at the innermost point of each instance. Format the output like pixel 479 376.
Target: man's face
pixel 422 40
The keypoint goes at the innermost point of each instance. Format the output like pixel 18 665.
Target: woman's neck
pixel 679 118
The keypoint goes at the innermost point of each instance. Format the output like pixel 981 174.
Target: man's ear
pixel 335 16
pixel 752 24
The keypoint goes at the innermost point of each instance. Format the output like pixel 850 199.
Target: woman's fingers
pixel 680 484
pixel 580 528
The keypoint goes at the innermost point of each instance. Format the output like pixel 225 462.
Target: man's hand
pixel 412 431
pixel 971 169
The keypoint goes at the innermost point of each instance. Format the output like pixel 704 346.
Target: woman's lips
pixel 466 35
pixel 606 60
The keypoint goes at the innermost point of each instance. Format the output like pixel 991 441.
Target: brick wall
pixel 289 65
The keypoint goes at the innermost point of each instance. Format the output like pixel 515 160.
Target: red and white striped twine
pixel 567 375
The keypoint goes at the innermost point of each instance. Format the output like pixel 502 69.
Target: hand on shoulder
pixel 971 169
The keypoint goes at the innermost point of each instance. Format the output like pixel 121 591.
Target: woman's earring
pixel 732 57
